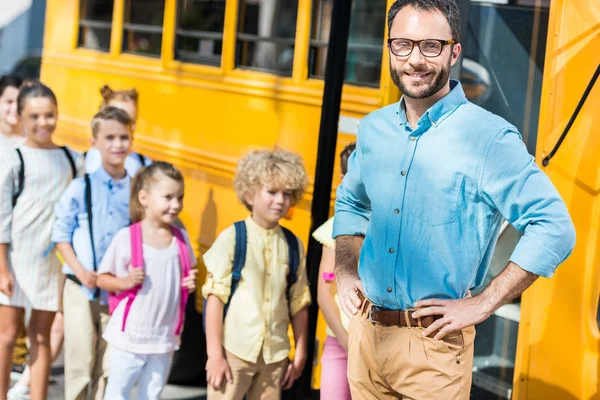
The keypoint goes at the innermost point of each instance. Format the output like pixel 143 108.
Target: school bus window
pixel 365 41
pixel 265 36
pixel 95 24
pixel 142 27
pixel 200 31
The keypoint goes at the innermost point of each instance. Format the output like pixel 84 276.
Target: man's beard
pixel 424 91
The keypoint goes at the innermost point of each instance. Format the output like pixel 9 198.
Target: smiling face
pixel 39 117
pixel 163 201
pixel 113 139
pixel 8 108
pixel 269 204
pixel 416 76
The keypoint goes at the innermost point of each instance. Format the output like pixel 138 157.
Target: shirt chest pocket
pixel 437 204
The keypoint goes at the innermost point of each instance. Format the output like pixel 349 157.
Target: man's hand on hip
pixel 347 287
pixel 456 314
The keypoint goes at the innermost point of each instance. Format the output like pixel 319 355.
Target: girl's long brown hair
pixel 143 180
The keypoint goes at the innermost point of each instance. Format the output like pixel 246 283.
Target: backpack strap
pixel 293 258
pixel 88 210
pixel 71 161
pixel 185 265
pixel 142 159
pixel 137 261
pixel 21 179
pixel 239 259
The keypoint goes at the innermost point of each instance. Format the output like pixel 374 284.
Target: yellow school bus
pixel 218 78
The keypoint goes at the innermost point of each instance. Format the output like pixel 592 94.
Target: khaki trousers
pixel 392 362
pixel 86 363
pixel 251 381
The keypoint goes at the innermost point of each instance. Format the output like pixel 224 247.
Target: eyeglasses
pixel 401 47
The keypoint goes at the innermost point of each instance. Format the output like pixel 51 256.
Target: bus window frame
pixel 299 87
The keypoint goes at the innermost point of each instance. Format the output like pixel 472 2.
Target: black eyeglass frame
pixel 418 43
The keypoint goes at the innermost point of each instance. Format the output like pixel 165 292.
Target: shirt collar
pixel 259 230
pixel 441 109
pixel 109 181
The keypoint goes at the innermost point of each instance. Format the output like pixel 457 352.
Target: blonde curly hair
pixel 278 168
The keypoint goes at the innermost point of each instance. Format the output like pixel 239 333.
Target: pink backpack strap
pixel 185 265
pixel 137 261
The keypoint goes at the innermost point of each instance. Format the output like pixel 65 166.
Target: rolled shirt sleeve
pixel 300 291
pixel 66 211
pixel 219 266
pixel 352 205
pixel 512 183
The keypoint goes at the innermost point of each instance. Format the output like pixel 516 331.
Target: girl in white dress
pixel 29 275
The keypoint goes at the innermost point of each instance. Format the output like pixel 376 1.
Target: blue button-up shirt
pixel 110 213
pixel 430 202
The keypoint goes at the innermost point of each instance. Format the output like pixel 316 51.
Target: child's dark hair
pixel 143 181
pixel 7 81
pixel 109 113
pixel 345 155
pixel 33 90
pixel 125 95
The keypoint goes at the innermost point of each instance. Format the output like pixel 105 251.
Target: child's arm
pixel 216 366
pixel 111 283
pixel 8 163
pixel 326 298
pixel 66 211
pixel 299 302
pixel 300 328
pixel 116 261
pixel 6 280
pixel 87 278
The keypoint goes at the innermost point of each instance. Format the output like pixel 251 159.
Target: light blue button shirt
pixel 110 213
pixel 93 161
pixel 430 202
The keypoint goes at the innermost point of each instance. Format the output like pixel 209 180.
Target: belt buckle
pixel 370 314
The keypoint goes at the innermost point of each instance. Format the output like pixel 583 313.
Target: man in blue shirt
pixel 419 212
pixel 106 194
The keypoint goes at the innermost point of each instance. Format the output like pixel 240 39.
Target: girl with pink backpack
pixel 148 271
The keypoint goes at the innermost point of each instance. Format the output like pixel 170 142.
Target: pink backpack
pixel 137 261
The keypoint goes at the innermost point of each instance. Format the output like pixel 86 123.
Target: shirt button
pixel 389 290
pixel 403 173
pixel 396 211
pixel 392 250
pixel 434 122
pixel 412 138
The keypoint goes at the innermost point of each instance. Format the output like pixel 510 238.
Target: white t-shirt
pixel 154 313
pixel 93 161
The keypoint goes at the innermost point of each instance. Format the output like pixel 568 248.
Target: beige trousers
pixel 251 381
pixel 86 363
pixel 392 362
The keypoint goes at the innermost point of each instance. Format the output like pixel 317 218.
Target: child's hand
pixel 216 369
pixel 293 372
pixel 135 278
pixel 7 282
pixel 87 278
pixel 189 282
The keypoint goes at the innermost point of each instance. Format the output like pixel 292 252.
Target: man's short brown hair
pixel 110 113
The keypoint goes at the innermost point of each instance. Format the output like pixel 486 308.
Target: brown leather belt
pixel 393 317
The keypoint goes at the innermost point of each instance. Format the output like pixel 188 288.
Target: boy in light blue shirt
pixel 90 212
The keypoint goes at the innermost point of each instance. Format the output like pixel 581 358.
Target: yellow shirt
pixel 259 313
pixel 324 235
